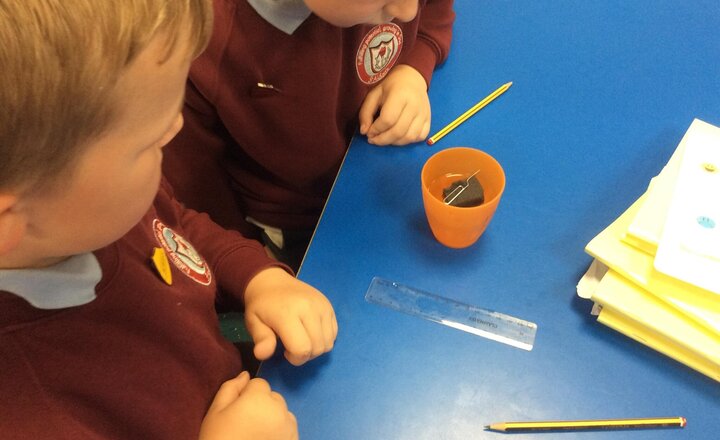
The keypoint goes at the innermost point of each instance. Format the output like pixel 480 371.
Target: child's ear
pixel 12 224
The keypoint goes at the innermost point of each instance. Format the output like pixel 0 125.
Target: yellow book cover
pixel 661 344
pixel 656 316
pixel 625 307
pixel 637 266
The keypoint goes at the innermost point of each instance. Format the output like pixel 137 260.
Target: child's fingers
pixel 396 134
pixel 229 392
pixel 369 108
pixel 293 422
pixel 425 130
pixel 320 331
pixel 419 129
pixel 314 328
pixel 260 386
pixel 390 116
pixel 412 126
pixel 263 337
pixel 297 341
pixel 245 408
pixel 336 327
pixel 329 329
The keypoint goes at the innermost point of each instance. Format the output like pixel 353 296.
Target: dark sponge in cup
pixel 464 193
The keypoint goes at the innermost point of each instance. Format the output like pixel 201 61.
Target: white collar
pixel 286 15
pixel 69 283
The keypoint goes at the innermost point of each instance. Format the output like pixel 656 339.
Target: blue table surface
pixel 603 92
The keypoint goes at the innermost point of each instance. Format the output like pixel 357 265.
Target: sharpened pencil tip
pixel 487 427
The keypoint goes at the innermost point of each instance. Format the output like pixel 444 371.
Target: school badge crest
pixel 182 254
pixel 378 52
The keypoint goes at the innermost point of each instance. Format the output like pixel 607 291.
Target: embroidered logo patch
pixel 378 52
pixel 182 254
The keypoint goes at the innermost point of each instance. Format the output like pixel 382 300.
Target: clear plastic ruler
pixel 478 321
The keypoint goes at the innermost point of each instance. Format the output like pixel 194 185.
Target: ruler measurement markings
pixel 481 322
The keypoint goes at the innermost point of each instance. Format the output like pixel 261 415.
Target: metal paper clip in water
pixel 458 190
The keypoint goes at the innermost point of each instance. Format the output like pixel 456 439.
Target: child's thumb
pixel 229 392
pixel 264 339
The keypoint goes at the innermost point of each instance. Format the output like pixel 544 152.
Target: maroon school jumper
pixel 141 361
pixel 273 153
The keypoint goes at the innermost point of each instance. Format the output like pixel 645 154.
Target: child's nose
pixel 402 10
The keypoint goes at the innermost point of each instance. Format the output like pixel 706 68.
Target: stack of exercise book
pixel 656 271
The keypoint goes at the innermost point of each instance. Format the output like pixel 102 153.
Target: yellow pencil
pixel 577 425
pixel 474 109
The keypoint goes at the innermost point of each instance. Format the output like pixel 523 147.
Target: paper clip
pixel 455 193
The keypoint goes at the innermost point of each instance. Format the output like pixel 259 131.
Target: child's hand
pixel 404 109
pixel 245 409
pixel 276 303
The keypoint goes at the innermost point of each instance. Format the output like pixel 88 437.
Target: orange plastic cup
pixel 453 226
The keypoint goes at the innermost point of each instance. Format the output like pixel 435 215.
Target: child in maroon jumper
pixel 274 101
pixel 107 284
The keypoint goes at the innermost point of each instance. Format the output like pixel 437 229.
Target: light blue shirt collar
pixel 286 15
pixel 69 283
